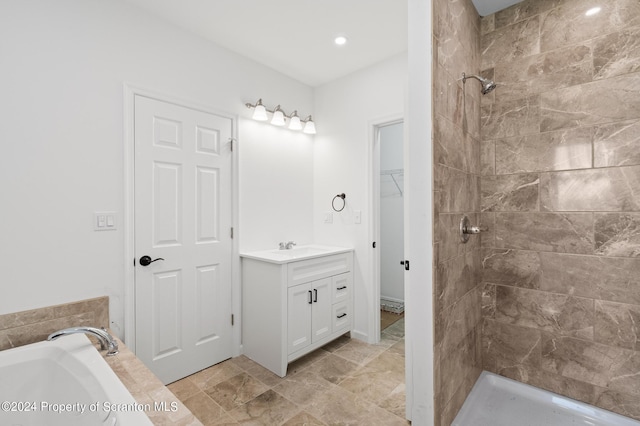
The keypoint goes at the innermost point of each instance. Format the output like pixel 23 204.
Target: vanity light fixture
pixel 279 118
pixel 309 126
pixel 260 112
pixel 294 122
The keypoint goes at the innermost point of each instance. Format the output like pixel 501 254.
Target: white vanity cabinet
pixel 295 305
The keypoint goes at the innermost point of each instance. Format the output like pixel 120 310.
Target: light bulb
pixel 340 40
pixel 295 123
pixel 592 11
pixel 309 128
pixel 278 118
pixel 260 113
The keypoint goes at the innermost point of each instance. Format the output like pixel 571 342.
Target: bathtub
pixel 64 382
pixel 498 401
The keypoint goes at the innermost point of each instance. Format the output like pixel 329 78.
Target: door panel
pixel 167 199
pixel 167 330
pixel 182 215
pixel 207 204
pixel 298 317
pixel 207 281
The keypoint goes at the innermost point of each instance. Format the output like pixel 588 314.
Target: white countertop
pixel 309 251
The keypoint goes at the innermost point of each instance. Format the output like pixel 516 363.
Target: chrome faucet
pixel 107 342
pixel 290 245
pixel 282 245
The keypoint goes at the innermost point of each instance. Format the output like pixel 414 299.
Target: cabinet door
pixel 321 311
pixel 299 317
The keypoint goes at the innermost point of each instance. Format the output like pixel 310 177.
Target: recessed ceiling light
pixel 340 40
pixel 593 11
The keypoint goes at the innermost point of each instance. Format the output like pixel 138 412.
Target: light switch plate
pixel 328 217
pixel 105 221
pixel 357 216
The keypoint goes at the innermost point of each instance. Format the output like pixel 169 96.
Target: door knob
pixel 146 260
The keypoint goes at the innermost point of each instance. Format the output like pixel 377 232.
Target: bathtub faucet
pixel 107 342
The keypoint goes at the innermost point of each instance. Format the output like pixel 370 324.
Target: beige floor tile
pixel 306 361
pixel 236 391
pixel 183 389
pixel 387 340
pixel 344 383
pixel 396 329
pixel 334 368
pixel 213 375
pixel 341 407
pixel 378 380
pixel 396 401
pixel 304 419
pixel 359 352
pixel 243 362
pixel 265 376
pixel 207 411
pixel 337 343
pixel 302 387
pixel 398 348
pixel 390 362
pixel 267 409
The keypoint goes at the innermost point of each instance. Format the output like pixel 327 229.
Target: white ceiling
pixel 295 37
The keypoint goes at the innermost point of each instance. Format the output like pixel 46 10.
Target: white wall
pixel 345 110
pixel 391 139
pixel 63 66
pixel 276 200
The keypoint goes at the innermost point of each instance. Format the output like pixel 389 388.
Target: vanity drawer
pixel 341 316
pixel 318 268
pixel 341 287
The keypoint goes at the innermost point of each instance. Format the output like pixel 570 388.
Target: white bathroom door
pixel 183 224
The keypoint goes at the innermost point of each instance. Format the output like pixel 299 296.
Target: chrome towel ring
pixel 343 196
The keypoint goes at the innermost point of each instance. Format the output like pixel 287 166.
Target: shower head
pixel 487 85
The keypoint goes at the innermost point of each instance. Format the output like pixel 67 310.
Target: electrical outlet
pixel 328 217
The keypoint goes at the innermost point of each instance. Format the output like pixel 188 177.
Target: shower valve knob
pixel 475 229
pixel 466 229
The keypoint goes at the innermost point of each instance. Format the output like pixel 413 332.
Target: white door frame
pixel 130 91
pixel 374 208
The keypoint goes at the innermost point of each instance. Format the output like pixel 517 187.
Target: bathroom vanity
pixel 294 301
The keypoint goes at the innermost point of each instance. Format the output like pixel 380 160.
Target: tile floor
pixel 388 318
pixel 346 382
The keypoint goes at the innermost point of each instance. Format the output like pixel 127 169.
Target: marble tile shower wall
pixel 561 195
pixel 456 151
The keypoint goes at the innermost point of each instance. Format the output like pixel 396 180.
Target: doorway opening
pixel 389 197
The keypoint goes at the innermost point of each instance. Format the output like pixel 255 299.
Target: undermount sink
pixel 298 253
